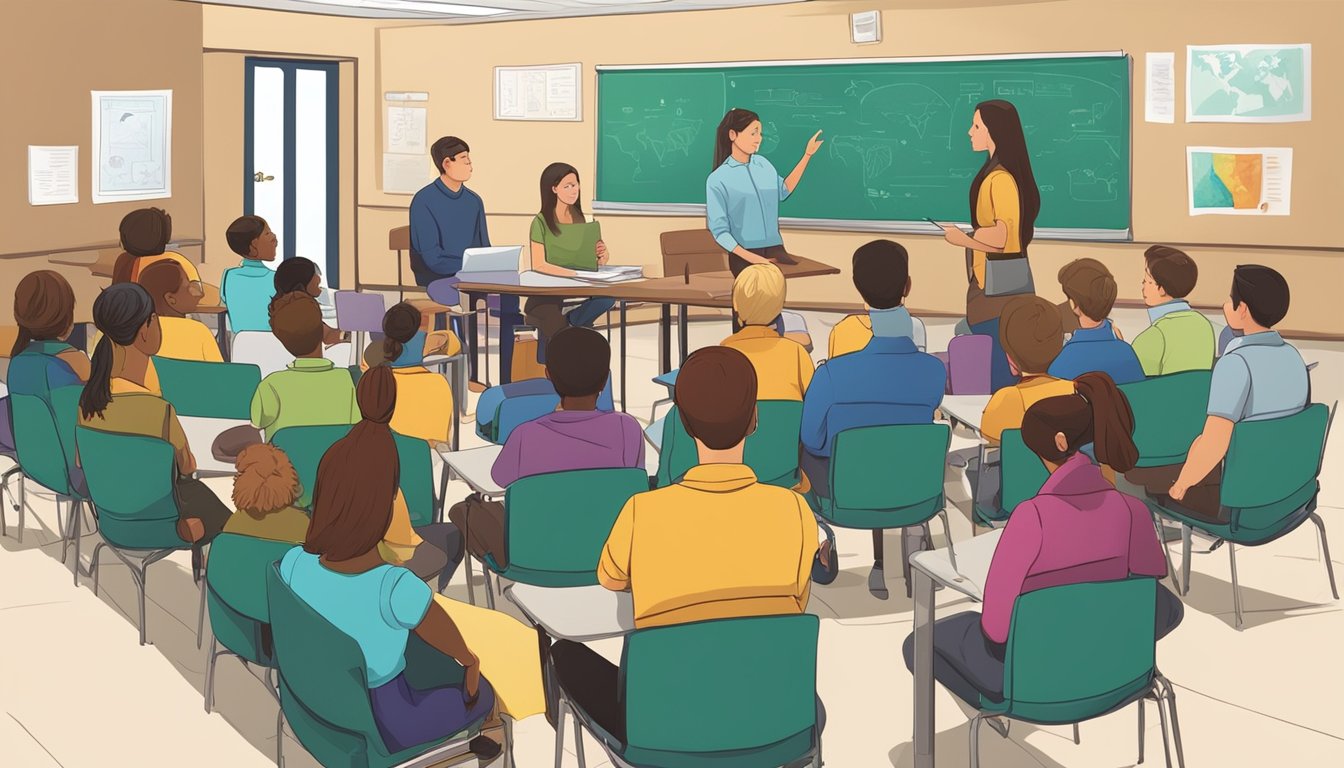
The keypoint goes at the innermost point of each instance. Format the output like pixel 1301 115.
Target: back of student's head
pixel 44 308
pixel 1099 414
pixel 358 476
pixel 578 362
pixel 294 275
pixel 162 278
pixel 120 312
pixel 716 396
pixel 758 294
pixel 1090 286
pixel 1031 332
pixel 882 273
pixel 242 232
pixel 296 320
pixel 266 482
pixel 1172 270
pixel 400 324
pixel 146 231
pixel 1264 292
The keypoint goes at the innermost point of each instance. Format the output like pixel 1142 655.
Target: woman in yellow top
pixel 1004 202
pixel 424 398
pixel 783 367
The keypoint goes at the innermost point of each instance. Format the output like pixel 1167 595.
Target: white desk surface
pixel 967 409
pixel 973 558
pixel 473 465
pixel 201 433
pixel 579 614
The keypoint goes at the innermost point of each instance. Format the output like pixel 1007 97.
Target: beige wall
pixel 454 64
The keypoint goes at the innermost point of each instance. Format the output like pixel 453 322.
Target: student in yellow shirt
pixel 760 540
pixel 783 367
pixel 424 398
pixel 145 233
pixel 175 296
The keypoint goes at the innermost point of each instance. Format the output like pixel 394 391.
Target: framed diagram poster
pixel 551 92
pixel 132 145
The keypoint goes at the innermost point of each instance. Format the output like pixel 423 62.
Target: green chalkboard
pixel 896 145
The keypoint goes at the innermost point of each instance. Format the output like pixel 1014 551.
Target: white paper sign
pixel 1233 181
pixel 1159 104
pixel 538 93
pixel 53 175
pixel 406 174
pixel 132 145
pixel 406 130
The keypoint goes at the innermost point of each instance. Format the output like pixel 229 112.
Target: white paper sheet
pixel 538 93
pixel 1159 104
pixel 543 280
pixel 132 145
pixel 406 130
pixel 53 175
pixel 1245 181
pixel 406 174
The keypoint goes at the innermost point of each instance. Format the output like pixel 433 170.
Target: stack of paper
pixel 611 274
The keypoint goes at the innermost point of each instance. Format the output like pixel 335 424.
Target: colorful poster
pixel 1240 182
pixel 1248 83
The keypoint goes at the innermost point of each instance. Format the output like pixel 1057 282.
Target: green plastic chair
pixel 771 451
pixel 1169 414
pixel 131 483
pixel 556 525
pixel 888 477
pixel 235 594
pixel 1021 476
pixel 1270 485
pixel 1078 652
pixel 305 447
pixel 324 687
pixel 208 390
pixel 728 692
pixel 44 442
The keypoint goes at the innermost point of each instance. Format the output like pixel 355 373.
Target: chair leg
pixel 1076 738
pixel 1236 590
pixel 508 743
pixel 76 521
pixel 1175 721
pixel 1325 549
pixel 975 740
pixel 560 732
pixel 142 583
pixel 280 738
pixel 1162 539
pixel 22 505
pixel 210 659
pixel 1141 729
pixel 578 741
pixel 951 548
pixel 816 752
pixel 62 530
pixel 489 590
pixel 200 616
pixel 471 587
pixel 93 566
pixel 1186 536
pixel 1166 744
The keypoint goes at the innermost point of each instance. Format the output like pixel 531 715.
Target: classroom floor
pixel 77 690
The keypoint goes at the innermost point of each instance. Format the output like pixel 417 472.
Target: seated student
pixel 853 332
pixel 247 289
pixel 424 398
pixel 783 367
pixel 760 539
pixel 264 492
pixel 888 381
pixel 341 573
pixel 1076 529
pixel 578 436
pixel 116 400
pixel 410 324
pixel 1179 339
pixel 1260 376
pixel 312 390
pixel 1032 336
pixel 1096 344
pixel 557 239
pixel 300 275
pixel 175 297
pixel 144 236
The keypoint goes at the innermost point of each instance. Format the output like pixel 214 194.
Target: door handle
pixel 259 176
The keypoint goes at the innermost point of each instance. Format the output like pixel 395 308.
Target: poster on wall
pixel 550 92
pixel 1240 181
pixel 1248 83
pixel 132 145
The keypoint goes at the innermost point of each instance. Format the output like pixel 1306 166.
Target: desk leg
pixel 683 332
pixel 665 339
pixel 472 343
pixel 924 725
pixel 625 361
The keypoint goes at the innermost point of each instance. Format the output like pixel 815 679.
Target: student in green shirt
pixel 1179 339
pixel 558 248
pixel 312 390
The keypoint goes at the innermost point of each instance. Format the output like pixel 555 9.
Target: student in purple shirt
pixel 1077 529
pixel 578 436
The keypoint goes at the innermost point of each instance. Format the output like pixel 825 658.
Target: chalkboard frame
pixel 920 227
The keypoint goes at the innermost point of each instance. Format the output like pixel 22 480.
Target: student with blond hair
pixel 783 367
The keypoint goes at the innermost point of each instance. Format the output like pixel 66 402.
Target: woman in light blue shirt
pixel 743 193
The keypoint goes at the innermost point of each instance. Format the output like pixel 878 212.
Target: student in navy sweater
pixel 446 220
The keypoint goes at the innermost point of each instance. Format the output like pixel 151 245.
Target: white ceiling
pixel 485 10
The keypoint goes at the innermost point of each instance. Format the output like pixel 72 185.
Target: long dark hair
pixel 119 312
pixel 358 477
pixel 1010 153
pixel 736 121
pixel 44 308
pixel 550 179
pixel 400 325
pixel 1098 413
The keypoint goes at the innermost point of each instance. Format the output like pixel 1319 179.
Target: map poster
pixel 1240 182
pixel 1248 83
pixel 132 145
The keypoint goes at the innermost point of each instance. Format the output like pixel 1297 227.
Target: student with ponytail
pixel 1077 529
pixel 424 398
pixel 116 399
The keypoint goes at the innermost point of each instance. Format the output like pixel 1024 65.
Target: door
pixel 290 172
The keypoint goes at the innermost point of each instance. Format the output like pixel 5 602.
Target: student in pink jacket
pixel 1077 529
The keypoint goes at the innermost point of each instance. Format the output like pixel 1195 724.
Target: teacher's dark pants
pixel 736 264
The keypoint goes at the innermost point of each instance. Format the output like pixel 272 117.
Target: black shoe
pixel 485 748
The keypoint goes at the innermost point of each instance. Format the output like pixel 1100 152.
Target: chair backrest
pixel 695 249
pixel 236 590
pixel 214 390
pixel 771 451
pixel 360 312
pixel 968 364
pixel 557 523
pixel 1169 413
pixel 131 483
pixel 1078 650
pixel 399 239
pixel 729 692
pixel 1225 337
pixel 1021 470
pixel 889 476
pixel 1272 468
pixel 522 408
pixel 44 436
pixel 261 349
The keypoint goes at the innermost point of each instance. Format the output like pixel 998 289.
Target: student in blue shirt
pixel 1097 344
pixel 889 381
pixel 447 218
pixel 247 289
